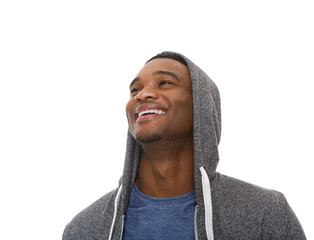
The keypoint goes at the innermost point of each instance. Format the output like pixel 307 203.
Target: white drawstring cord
pixel 116 202
pixel 208 204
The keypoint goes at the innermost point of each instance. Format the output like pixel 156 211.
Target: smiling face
pixel 160 105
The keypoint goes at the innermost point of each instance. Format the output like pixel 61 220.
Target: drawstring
pixel 208 204
pixel 116 202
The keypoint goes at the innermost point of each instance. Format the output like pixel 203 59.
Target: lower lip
pixel 147 117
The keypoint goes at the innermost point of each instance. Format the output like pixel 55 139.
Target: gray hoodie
pixel 227 208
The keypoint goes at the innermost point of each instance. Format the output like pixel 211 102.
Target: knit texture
pixel 240 210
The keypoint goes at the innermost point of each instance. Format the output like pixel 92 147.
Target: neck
pixel 166 169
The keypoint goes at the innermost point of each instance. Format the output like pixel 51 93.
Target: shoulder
pixel 241 190
pixel 95 220
pixel 247 197
pixel 265 212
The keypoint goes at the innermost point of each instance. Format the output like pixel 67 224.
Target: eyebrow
pixel 171 74
pixel 135 80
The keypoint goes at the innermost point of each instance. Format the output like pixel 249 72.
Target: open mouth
pixel 150 112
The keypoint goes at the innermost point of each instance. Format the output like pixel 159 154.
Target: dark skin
pixel 166 166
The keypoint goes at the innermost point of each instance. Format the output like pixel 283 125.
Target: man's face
pixel 161 105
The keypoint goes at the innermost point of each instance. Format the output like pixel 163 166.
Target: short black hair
pixel 170 55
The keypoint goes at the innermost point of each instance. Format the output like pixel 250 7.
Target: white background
pixel 65 68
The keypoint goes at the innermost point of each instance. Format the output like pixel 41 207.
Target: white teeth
pixel 151 111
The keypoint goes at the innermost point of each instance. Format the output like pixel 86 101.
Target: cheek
pixel 189 112
pixel 128 108
pixel 129 113
pixel 184 107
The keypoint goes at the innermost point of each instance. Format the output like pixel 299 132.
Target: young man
pixel 170 188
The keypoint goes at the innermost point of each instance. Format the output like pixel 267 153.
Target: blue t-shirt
pixel 159 218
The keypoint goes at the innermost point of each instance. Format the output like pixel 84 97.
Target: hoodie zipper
pixel 195 223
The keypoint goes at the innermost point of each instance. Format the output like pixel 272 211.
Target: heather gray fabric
pixel 240 210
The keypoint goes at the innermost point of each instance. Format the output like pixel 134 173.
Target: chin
pixel 148 139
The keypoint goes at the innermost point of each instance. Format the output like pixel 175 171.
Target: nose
pixel 146 94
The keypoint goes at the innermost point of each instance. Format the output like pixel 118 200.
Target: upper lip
pixel 148 106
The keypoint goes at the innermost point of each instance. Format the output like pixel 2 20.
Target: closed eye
pixel 165 83
pixel 133 90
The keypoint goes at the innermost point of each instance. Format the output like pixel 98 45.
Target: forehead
pixel 165 64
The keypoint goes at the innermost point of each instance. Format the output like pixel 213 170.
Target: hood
pixel 206 134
